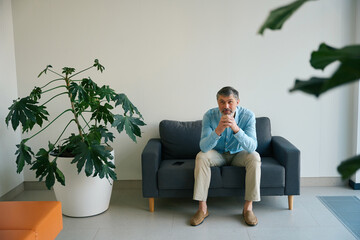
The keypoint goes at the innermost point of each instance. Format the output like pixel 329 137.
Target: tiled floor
pixel 128 218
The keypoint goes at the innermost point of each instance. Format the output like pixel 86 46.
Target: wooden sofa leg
pixel 151 204
pixel 291 201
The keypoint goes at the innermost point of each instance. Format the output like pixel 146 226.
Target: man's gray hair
pixel 227 91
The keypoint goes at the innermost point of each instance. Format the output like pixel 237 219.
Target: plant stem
pixel 53 98
pixel 56 73
pixel 81 71
pixel 67 110
pixel 58 79
pixel 54 88
pixel 87 123
pixel 67 80
pixel 63 131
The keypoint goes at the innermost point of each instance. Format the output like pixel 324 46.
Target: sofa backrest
pixel 180 140
pixel 263 135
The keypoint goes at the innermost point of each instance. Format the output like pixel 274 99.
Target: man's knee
pixel 202 159
pixel 254 160
pixel 209 159
pixel 255 156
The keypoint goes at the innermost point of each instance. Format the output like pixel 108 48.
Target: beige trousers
pixel 202 172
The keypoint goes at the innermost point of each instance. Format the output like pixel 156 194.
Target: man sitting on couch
pixel 228 137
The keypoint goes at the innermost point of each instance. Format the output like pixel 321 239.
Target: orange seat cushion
pixel 17 235
pixel 40 219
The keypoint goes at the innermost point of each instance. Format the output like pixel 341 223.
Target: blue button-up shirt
pixel 245 139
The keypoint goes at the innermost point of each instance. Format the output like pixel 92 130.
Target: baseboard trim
pixel 354 185
pixel 118 184
pixel 322 182
pixel 34 185
pixel 127 184
pixel 13 193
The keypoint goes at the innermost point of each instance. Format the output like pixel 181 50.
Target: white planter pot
pixel 81 196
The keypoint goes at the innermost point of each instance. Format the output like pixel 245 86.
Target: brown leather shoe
pixel 250 218
pixel 198 218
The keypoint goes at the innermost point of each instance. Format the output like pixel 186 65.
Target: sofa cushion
pixel 43 218
pixel 263 134
pixel 272 174
pixel 172 175
pixel 180 140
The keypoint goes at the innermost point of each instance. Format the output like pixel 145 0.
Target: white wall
pixel 171 57
pixel 8 91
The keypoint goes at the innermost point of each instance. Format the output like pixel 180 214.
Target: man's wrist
pixel 236 130
pixel 217 132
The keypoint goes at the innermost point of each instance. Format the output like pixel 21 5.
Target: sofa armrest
pixel 150 163
pixel 289 156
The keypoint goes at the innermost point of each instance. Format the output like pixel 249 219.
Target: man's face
pixel 227 105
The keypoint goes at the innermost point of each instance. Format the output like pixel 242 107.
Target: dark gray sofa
pixel 168 164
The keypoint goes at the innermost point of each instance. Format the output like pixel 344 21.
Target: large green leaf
pixel 311 86
pixel 119 122
pixel 36 93
pixel 130 124
pixel 90 86
pixel 123 100
pixel 44 168
pixel 68 70
pixel 106 92
pixel 108 171
pixel 26 112
pixel 41 164
pixel 79 92
pixel 94 157
pixel 279 16
pixel 326 55
pixel 348 70
pixel 60 176
pixel 102 113
pixel 52 174
pixel 106 134
pixel 348 167
pixel 96 133
pixel 23 155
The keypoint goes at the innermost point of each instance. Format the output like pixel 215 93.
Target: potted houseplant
pixel 87 106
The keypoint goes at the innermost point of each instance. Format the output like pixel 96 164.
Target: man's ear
pixel 237 102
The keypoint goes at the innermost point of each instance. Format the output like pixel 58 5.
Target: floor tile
pixel 303 233
pixel 77 234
